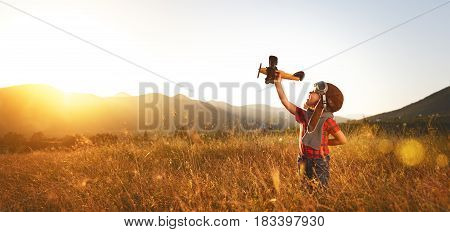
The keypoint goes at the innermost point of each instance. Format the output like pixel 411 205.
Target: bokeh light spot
pixel 385 146
pixel 410 152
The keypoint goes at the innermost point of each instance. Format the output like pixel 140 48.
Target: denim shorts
pixel 318 168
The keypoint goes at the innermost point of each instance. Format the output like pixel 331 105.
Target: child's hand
pixel 277 77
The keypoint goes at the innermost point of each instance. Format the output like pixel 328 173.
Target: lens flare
pixel 442 161
pixel 410 152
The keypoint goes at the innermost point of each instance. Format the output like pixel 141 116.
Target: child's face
pixel 313 98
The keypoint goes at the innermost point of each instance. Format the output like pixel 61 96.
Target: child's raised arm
pixel 289 106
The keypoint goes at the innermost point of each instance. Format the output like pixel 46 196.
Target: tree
pixel 14 142
pixel 37 140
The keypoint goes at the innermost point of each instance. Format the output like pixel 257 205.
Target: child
pixel 316 123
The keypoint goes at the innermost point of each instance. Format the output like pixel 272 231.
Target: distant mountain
pixel 437 104
pixel 272 112
pixel 28 109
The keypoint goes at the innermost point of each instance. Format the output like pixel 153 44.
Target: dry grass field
pixel 243 172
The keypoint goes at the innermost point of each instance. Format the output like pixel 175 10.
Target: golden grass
pixel 251 172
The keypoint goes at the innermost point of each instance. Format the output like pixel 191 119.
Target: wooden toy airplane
pixel 272 70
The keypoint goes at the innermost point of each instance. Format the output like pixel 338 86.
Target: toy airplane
pixel 272 70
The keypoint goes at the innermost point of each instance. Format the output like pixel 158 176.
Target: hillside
pixel 437 104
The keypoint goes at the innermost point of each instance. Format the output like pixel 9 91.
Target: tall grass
pixel 246 172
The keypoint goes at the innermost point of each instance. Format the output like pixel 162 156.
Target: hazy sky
pixel 224 41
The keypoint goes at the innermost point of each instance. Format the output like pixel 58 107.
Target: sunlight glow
pixel 203 44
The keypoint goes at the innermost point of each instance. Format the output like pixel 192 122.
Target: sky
pixel 223 42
